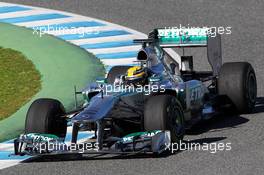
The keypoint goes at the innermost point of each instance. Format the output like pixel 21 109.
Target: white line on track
pixel 7 146
pixel 8 163
pixel 120 61
pixel 104 39
pixel 114 49
pixel 53 21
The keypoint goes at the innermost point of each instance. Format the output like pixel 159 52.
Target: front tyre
pixel 164 112
pixel 44 116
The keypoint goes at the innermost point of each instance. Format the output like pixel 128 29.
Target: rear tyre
pixel 237 81
pixel 116 71
pixel 164 112
pixel 44 117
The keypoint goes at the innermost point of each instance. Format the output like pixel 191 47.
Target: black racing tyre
pixel 164 112
pixel 115 71
pixel 237 80
pixel 44 117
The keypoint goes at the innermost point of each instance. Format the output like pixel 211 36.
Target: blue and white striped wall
pixel 111 43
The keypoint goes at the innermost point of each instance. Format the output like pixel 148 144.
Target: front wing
pixel 141 142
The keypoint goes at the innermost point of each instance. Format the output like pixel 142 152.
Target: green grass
pixel 19 81
pixel 61 64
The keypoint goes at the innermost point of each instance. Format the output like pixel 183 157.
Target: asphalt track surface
pixel 244 132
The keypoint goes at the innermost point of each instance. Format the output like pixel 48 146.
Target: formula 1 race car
pixel 144 108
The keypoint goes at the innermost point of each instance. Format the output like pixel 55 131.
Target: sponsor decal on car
pixel 129 138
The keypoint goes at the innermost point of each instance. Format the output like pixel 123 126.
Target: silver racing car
pixel 144 108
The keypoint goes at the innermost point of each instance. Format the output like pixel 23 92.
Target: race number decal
pixel 195 94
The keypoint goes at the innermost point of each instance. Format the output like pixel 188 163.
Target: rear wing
pixel 191 37
pixel 173 37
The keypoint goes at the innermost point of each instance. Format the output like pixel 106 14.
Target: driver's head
pixel 137 75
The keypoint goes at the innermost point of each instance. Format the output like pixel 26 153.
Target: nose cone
pixel 97 109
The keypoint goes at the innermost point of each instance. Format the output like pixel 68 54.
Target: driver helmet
pixel 137 75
